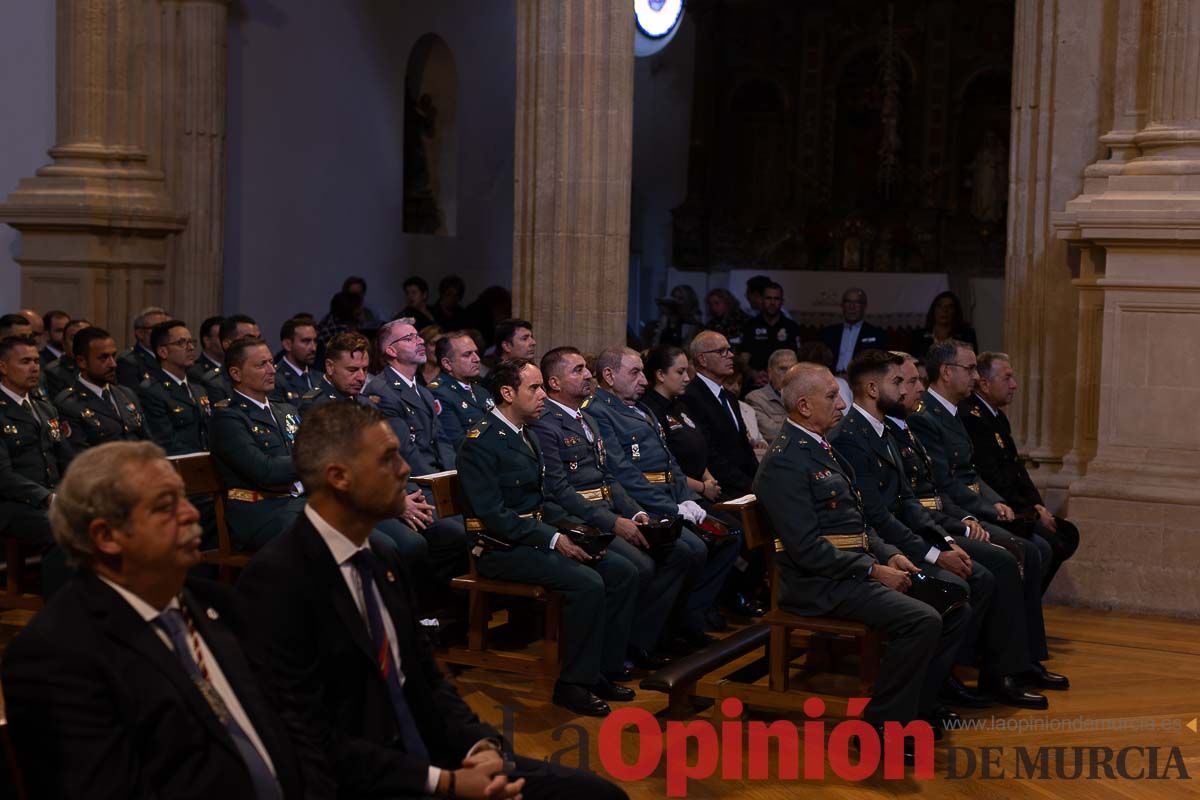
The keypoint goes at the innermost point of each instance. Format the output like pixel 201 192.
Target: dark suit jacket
pixel 996 455
pixel 731 458
pixel 99 707
pixel 413 416
pixel 869 337
pixel 319 655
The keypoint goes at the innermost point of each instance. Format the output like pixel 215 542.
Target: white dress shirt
pixel 216 677
pixel 953 409
pixel 16 398
pixel 846 348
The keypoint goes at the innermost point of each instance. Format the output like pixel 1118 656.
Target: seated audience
pixel 61 372
pixel 769 331
pixel 134 680
pixel 514 339
pixel 94 408
pixel 430 369
pixel 37 327
pixel 678 319
pixel 17 325
pixel 493 305
pixel 755 286
pixel 211 354
pixel 733 384
pixel 416 293
pixel 233 328
pixel 462 398
pixel 578 479
pixel 819 353
pixel 345 316
pixel 1001 465
pixel 138 362
pixel 767 403
pixel 355 285
pixel 725 316
pixel 449 312
pixel 346 357
pixel 500 467
pixel 943 322
pixel 853 334
pixel 833 563
pixel 54 323
pixel 294 376
pixel 344 648
pixel 178 411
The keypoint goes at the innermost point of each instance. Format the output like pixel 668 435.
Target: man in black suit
pixel 1001 465
pixel 853 334
pixel 131 682
pixel 731 458
pixel 342 643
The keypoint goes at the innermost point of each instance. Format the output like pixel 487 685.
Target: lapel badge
pixel 637 451
pixel 464 403
pixel 975 412
pixel 572 465
pixel 11 430
pixel 212 614
pixel 88 413
pixel 1000 441
pixel 391 577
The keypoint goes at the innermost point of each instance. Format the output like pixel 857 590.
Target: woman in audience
pixel 733 385
pixel 668 373
pixel 944 321
pixel 725 315
pixel 431 369
pixel 678 321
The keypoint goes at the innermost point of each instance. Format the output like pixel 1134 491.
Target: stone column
pixel 194 57
pixel 1139 225
pixel 574 146
pixel 94 222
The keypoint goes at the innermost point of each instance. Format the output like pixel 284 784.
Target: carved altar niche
pixel 857 135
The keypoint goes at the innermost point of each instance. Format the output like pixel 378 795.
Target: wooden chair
pixel 758 534
pixel 17 566
pixel 447 499
pixel 16 777
pixel 200 478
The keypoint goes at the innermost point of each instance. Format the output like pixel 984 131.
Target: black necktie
pixel 410 736
pixel 727 399
pixel 28 406
pixel 265 786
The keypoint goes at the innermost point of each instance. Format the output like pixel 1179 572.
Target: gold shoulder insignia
pixel 374 398
pixel 587 401
pixel 433 385
pixel 920 406
pixel 222 403
pixel 473 433
pixel 975 412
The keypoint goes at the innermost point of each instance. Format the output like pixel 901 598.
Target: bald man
pixel 833 564
pixel 731 458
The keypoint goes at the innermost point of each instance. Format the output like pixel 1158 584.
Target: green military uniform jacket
pixel 58 375
pixel 324 392
pixel 458 407
pixel 217 384
pixel 291 387
pixel 501 473
pixel 808 494
pixel 996 455
pixel 252 448
pixel 178 415
pixel 135 365
pixel 94 420
pixel 34 451
pixel 949 447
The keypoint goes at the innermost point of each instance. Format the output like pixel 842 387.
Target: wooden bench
pixel 17 564
pixel 447 499
pixel 200 478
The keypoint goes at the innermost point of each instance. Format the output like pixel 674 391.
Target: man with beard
pixel 833 563
pixel 133 681
pixel 178 412
pixel 501 470
pixel 461 398
pixel 963 525
pixel 899 517
pixel 295 378
pixel 54 323
pixel 96 409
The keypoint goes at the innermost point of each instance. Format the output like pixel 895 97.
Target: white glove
pixel 641 518
pixel 690 511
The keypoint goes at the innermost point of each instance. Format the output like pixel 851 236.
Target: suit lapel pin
pixel 212 614
pixel 391 577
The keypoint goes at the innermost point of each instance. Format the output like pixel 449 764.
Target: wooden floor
pixel 1126 669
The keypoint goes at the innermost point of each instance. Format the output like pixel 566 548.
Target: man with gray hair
pixel 134 681
pixel 767 402
pixel 833 563
pixel 139 362
pixel 1001 465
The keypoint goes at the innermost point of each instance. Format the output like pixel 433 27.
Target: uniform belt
pixel 932 503
pixel 251 496
pixel 974 487
pixel 842 541
pixel 595 495
pixel 658 477
pixel 475 524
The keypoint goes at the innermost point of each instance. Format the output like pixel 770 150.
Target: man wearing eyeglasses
pixel 412 412
pixel 178 411
pixel 139 362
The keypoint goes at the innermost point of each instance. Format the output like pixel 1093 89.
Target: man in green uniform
pixel 216 380
pixel 459 395
pixel 295 377
pixel 138 362
pixel 96 408
pixel 178 411
pixel 501 470
pixel 60 373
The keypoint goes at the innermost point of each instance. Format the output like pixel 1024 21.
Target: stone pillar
pixel 1139 225
pixel 95 221
pixel 194 61
pixel 574 147
pixel 1056 121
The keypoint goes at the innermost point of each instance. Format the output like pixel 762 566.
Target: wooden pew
pixel 17 578
pixel 200 477
pixel 447 499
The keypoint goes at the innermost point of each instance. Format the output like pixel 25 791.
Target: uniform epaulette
pixel 920 407
pixel 433 385
pixel 311 394
pixel 975 412
pixel 480 427
pixel 587 401
pixel 222 403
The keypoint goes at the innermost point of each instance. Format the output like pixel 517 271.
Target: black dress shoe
pixel 1009 691
pixel 578 700
pixel 644 659
pixel 607 690
pixel 955 693
pixel 910 747
pixel 624 676
pixel 1043 678
pixel 743 606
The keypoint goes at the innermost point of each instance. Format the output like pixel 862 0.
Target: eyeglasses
pixel 721 351
pixel 408 338
pixel 184 343
pixel 968 367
